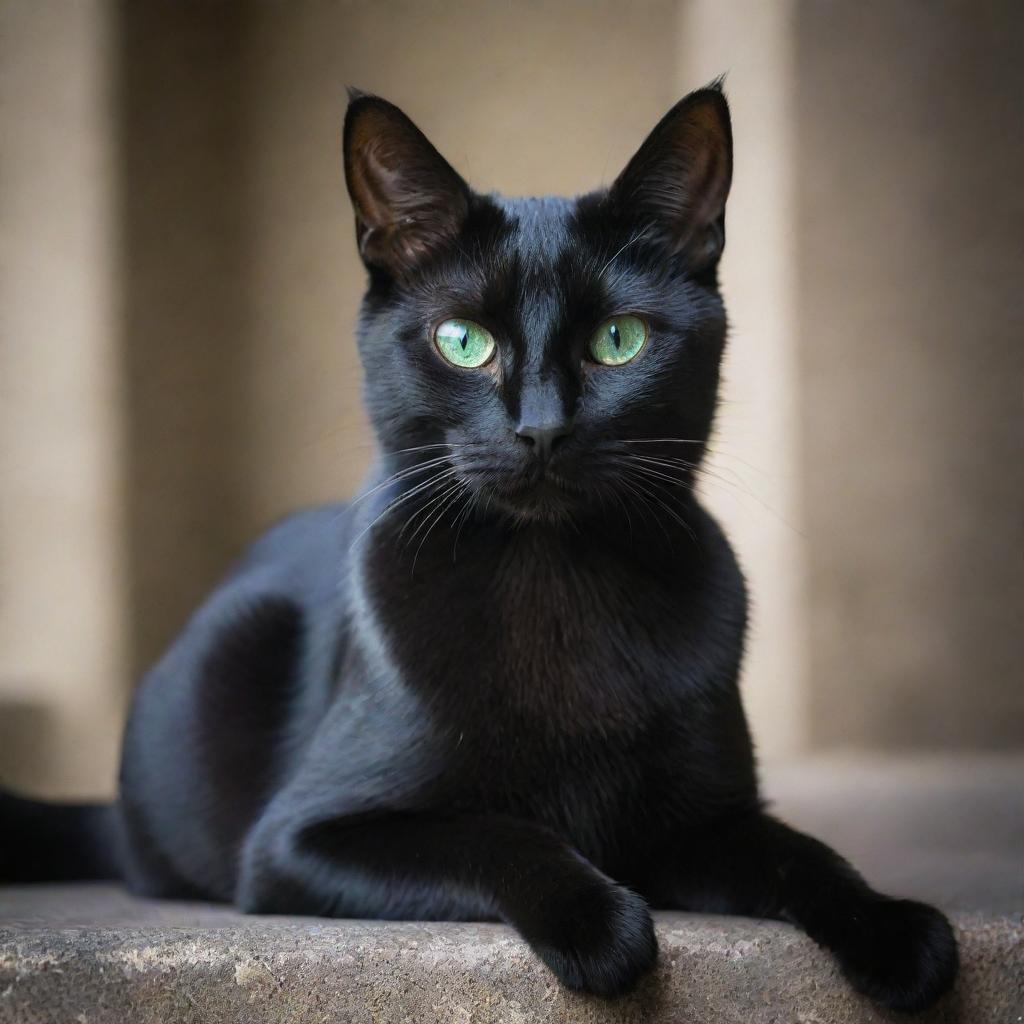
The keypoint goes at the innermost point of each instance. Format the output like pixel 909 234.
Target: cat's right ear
pixel 677 183
pixel 407 198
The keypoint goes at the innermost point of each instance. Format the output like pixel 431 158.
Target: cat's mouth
pixel 543 493
pixel 545 485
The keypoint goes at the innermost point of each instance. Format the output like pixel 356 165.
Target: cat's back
pixel 217 721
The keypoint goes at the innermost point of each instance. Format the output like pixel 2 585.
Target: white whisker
pixel 404 497
pixel 454 492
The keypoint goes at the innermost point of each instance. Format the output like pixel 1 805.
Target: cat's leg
pixel 900 953
pixel 595 934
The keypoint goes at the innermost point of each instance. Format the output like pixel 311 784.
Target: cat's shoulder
pixel 314 533
pixel 722 567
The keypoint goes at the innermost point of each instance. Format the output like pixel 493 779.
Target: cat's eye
pixel 618 340
pixel 464 343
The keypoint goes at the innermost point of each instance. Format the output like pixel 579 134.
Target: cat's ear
pixel 408 200
pixel 677 183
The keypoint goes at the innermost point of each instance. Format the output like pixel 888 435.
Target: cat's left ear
pixel 677 183
pixel 407 198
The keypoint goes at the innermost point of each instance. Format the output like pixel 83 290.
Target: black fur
pixel 502 682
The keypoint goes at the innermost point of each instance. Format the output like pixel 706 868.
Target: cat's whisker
pixel 655 460
pixel 713 447
pixel 697 469
pixel 662 440
pixel 733 474
pixel 738 489
pixel 657 496
pixel 445 506
pixel 642 466
pixel 636 238
pixel 733 481
pixel 427 447
pixel 642 497
pixel 423 510
pixel 471 502
pixel 391 506
pixel 401 475
pixel 426 486
pixel 420 485
pixel 404 474
pixel 657 475
pixel 403 498
pixel 361 451
pixel 625 508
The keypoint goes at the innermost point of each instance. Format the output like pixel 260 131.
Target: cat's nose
pixel 543 437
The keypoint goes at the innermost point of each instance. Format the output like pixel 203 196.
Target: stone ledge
pixel 948 830
pixel 198 964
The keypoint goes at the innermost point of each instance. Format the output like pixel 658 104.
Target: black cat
pixel 502 682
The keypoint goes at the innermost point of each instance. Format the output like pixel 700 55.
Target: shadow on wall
pixel 28 737
pixel 184 285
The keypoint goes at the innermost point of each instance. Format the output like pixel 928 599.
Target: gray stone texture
pixel 948 830
pixel 91 955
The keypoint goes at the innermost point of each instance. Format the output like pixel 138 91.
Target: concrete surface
pixel 950 831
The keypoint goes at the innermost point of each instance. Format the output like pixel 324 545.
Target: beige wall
pixel 911 220
pixel 753 483
pixel 62 619
pixel 183 231
pixel 186 205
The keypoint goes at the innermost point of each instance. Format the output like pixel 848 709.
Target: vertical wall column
pixel 753 482
pixel 911 217
pixel 185 158
pixel 62 609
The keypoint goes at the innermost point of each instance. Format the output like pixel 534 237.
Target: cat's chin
pixel 548 499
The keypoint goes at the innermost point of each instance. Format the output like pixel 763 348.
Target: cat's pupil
pixel 464 339
pixel 616 338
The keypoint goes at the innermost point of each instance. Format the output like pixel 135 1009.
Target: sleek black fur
pixel 502 682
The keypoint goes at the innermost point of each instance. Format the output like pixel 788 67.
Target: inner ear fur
pixel 677 183
pixel 407 198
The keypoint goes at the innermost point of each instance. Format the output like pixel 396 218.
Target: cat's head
pixel 555 353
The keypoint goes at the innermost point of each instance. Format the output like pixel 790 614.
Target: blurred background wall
pixel 178 283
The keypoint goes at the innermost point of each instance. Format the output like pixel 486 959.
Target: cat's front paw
pixel 597 938
pixel 899 953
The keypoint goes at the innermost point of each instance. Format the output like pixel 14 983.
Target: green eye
pixel 618 340
pixel 464 343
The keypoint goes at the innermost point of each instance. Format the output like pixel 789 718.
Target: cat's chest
pixel 537 633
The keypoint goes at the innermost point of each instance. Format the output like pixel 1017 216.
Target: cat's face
pixel 558 353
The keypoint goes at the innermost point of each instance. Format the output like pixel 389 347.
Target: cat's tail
pixel 53 842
